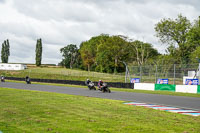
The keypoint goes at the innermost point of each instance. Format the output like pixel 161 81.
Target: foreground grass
pixel 34 111
pixel 123 89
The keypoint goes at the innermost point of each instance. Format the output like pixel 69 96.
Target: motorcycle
pixel 2 79
pixel 28 81
pixel 105 88
pixel 91 86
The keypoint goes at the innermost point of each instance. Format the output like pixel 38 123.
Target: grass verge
pixel 34 111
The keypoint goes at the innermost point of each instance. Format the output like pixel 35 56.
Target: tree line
pixel 105 53
pixel 5 52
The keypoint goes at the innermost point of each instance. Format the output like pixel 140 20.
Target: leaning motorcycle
pixel 91 86
pixel 105 88
pixel 2 79
pixel 28 81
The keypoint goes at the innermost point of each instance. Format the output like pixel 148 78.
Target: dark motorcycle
pixel 28 81
pixel 2 79
pixel 91 86
pixel 105 88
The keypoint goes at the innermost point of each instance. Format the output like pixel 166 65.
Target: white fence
pixel 5 66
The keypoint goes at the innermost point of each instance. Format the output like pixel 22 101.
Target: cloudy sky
pixel 62 22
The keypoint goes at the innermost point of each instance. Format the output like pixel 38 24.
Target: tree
pixel 193 38
pixel 195 56
pixel 38 51
pixel 106 53
pixel 174 32
pixel 141 52
pixel 88 50
pixel 5 51
pixel 112 53
pixel 69 53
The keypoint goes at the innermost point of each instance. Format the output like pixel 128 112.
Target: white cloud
pixel 62 22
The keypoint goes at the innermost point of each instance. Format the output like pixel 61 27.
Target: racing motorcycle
pixel 105 88
pixel 2 79
pixel 91 86
pixel 28 81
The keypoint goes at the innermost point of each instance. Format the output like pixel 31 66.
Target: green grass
pixel 122 89
pixel 34 111
pixel 64 74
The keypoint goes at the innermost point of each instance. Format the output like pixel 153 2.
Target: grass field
pixel 64 74
pixel 33 111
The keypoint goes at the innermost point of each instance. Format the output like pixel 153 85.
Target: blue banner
pixel 135 80
pixel 192 81
pixel 162 81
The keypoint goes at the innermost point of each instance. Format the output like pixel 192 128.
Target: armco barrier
pixel 144 86
pixel 15 78
pixel 165 87
pixel 110 84
pixel 121 85
pixel 186 88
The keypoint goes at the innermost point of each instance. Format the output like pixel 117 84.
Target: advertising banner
pixel 192 81
pixel 165 87
pixel 135 80
pixel 162 81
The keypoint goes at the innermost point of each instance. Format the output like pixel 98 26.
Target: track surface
pixel 176 101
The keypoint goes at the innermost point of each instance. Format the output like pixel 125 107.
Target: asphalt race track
pixel 176 101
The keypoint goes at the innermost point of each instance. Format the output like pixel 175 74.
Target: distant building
pixel 7 66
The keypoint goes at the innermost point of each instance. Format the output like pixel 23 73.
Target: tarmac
pixel 165 100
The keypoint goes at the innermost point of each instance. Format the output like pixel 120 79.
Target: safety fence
pixel 173 72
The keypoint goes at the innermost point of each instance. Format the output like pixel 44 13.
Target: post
pixel 140 73
pixel 125 76
pixel 174 73
pixel 29 73
pixel 126 71
pixel 156 74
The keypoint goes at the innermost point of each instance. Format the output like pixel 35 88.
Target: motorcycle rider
pixel 87 82
pixel 100 85
pixel 2 78
pixel 90 84
pixel 27 79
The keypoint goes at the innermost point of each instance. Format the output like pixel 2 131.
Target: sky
pixel 63 22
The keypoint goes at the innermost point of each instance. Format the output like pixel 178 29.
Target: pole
pixel 127 72
pixel 126 75
pixel 174 73
pixel 29 73
pixel 156 74
pixel 140 73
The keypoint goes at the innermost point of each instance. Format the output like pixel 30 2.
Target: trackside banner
pixel 165 87
pixel 135 80
pixel 192 81
pixel 198 89
pixel 162 81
